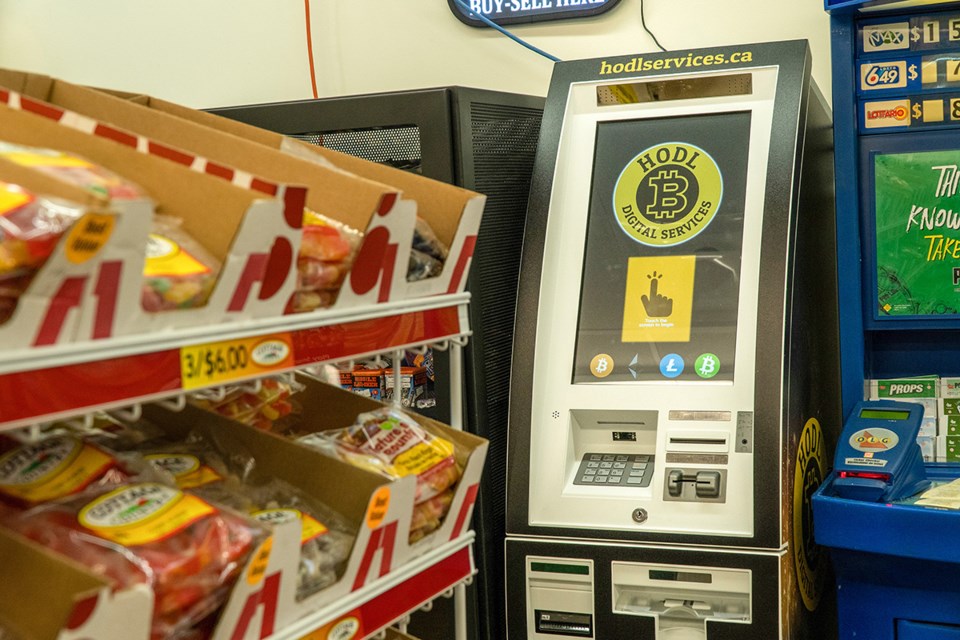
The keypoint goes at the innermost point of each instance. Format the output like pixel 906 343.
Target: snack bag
pixel 187 550
pixel 73 169
pixel 261 409
pixel 30 228
pixel 429 514
pixel 427 255
pixel 57 467
pixel 178 273
pixel 326 255
pixel 388 442
pixel 191 464
pixel 325 541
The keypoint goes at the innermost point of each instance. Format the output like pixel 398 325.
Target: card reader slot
pixel 704 441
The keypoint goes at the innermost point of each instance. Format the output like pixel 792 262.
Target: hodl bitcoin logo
pixel 668 194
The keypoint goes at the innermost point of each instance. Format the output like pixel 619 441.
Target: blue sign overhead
pixel 519 11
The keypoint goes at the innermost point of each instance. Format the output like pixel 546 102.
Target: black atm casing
pixel 798 286
pixel 484 141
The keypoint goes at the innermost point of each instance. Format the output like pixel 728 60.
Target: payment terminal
pixel 878 458
pixel 675 370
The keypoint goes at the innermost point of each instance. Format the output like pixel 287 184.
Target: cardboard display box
pixel 76 604
pixel 379 511
pixel 452 212
pixel 242 228
pixel 105 234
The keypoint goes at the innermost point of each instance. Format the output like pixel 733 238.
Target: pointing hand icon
pixel 656 305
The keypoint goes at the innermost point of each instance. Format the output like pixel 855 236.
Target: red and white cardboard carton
pixel 52 598
pixel 244 229
pixel 44 596
pixel 380 511
pixel 375 208
pixel 63 301
pixel 453 213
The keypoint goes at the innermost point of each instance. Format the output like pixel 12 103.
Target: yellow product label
pixel 422 457
pixel 310 527
pixel 313 219
pixel 167 258
pixel 88 236
pixel 51 469
pixel 139 514
pixel 209 364
pixel 11 198
pixel 48 159
pixel 187 470
pixel 658 301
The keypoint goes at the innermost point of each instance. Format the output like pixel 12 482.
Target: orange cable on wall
pixel 313 73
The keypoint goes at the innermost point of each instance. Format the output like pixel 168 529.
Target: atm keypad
pixel 620 470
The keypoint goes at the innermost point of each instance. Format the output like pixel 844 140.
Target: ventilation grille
pixel 397 146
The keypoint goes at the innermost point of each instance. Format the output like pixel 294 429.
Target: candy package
pixel 178 273
pixel 388 442
pixel 427 255
pixel 260 409
pixel 73 169
pixel 186 549
pixel 195 465
pixel 325 541
pixel 60 466
pixel 191 464
pixel 30 228
pixel 326 255
pixel 428 515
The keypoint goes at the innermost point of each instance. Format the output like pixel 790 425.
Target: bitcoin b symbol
pixel 601 366
pixel 707 365
pixel 669 199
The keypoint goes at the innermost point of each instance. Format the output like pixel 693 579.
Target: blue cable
pixel 490 23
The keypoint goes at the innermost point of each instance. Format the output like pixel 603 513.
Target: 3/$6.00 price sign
pixel 205 365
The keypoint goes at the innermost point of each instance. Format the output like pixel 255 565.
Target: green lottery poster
pixel 918 233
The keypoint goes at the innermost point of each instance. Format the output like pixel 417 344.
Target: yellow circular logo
pixel 668 194
pixel 808 475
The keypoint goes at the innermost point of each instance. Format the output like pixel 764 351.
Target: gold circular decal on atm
pixel 601 366
pixel 668 194
pixel 809 472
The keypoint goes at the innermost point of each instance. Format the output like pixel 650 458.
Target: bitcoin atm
pixel 674 390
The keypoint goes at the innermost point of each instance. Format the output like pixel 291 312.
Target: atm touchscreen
pixel 661 275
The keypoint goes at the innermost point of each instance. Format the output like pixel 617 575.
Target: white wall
pixel 208 53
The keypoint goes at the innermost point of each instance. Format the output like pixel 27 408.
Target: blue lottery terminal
pixel 878 458
pixel 890 523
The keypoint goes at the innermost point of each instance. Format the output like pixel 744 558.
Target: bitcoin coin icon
pixel 601 366
pixel 707 365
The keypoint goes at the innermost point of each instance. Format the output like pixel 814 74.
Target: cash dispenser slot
pixel 560 623
pixel 682 599
pixel 560 598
